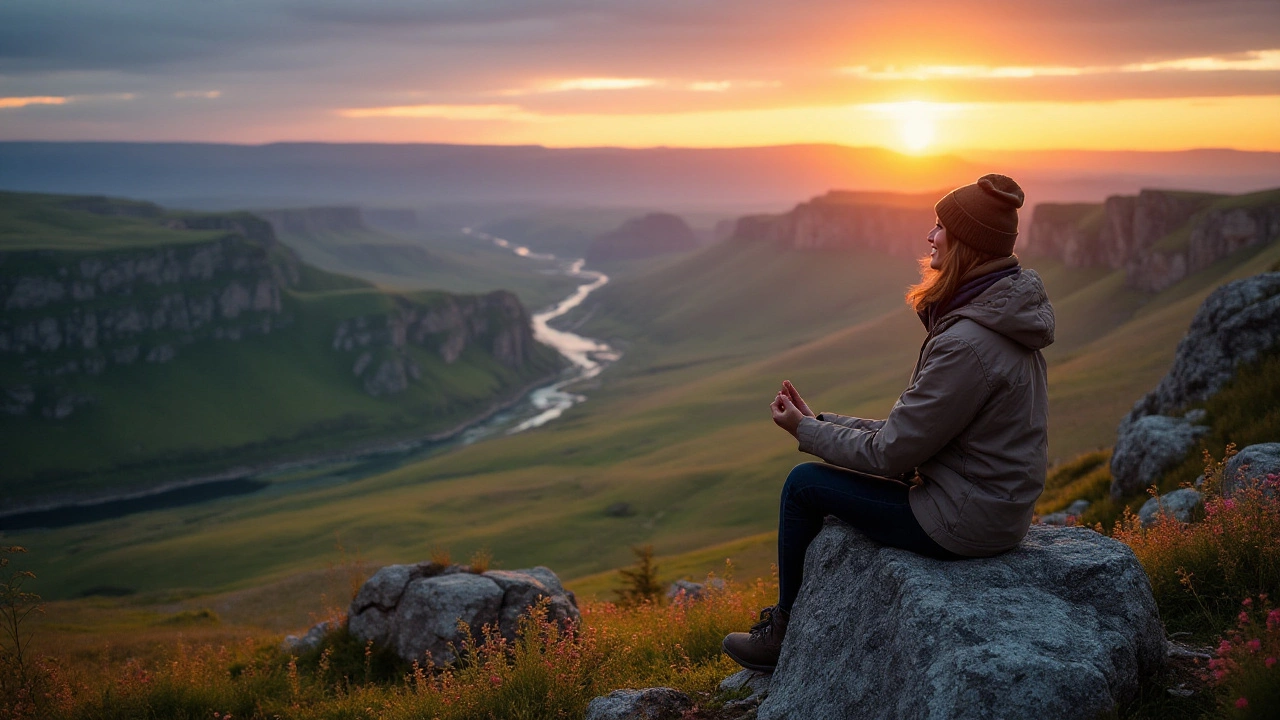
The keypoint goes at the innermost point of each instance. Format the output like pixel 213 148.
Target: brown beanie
pixel 983 215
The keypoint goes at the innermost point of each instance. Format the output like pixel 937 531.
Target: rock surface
pixel 310 640
pixel 659 703
pixel 641 237
pixel 845 220
pixel 756 682
pixel 1251 465
pixel 689 590
pixel 1148 446
pixel 416 609
pixel 1179 505
pixel 1064 626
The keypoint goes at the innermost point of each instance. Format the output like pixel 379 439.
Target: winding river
pixel 540 405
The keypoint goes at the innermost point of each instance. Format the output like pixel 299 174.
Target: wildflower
pixel 1254 645
pixel 1270 662
pixel 495 680
pixel 1242 703
pixel 1246 602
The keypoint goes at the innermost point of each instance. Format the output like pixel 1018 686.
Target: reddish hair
pixel 938 286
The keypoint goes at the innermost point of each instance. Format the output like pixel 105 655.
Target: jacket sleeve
pixel 950 388
pixel 850 422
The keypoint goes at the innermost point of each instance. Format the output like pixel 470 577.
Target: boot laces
pixel 765 626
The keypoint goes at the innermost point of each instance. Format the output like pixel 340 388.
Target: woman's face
pixel 938 245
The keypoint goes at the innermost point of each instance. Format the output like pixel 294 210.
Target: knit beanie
pixel 983 215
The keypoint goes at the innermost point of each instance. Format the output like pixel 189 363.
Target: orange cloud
pixel 21 102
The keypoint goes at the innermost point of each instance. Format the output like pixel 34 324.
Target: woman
pixel 956 468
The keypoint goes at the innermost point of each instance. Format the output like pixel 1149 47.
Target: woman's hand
pixel 785 413
pixel 790 391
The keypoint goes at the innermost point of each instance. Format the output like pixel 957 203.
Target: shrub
pixel 640 583
pixel 1245 669
pixel 1200 571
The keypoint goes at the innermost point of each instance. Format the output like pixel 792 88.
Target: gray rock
pixel 1057 519
pixel 431 610
pixel 1078 507
pixel 1179 505
pixel 692 590
pixel 661 703
pixel 309 641
pixel 417 610
pixel 1234 325
pixel 1149 446
pixel 1251 465
pixel 1064 626
pixel 757 682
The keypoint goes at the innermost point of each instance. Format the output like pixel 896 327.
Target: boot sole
pixel 745 664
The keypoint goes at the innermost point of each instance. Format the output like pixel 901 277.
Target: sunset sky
pixel 923 77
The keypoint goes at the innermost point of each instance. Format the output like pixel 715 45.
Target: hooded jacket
pixel 973 424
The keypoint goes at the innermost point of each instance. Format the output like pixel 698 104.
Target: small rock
pixel 309 641
pixel 692 590
pixel 1058 519
pixel 758 682
pixel 661 703
pixel 620 509
pixel 1252 464
pixel 1179 505
pixel 1078 507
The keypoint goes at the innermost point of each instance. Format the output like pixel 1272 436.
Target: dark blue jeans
pixel 876 506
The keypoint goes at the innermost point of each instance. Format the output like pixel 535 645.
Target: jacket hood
pixel 1016 307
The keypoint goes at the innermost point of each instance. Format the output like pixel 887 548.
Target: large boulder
pixel 1150 446
pixel 1233 326
pixel 416 609
pixel 1062 627
pixel 1252 465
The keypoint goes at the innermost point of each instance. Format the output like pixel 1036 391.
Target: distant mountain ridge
pixel 893 223
pixel 642 237
pixel 222 176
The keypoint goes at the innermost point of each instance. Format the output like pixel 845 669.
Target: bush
pixel 1200 571
pixel 1245 669
pixel 640 582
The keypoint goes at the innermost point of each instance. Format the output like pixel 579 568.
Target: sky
pixel 916 76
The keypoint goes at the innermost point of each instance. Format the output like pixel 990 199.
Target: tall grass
pixel 548 671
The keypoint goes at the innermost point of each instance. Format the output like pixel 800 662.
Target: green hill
pixel 141 346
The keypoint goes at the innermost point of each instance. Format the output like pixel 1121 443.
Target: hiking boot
pixel 759 649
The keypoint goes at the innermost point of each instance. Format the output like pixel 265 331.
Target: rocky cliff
pixel 1157 237
pixel 306 221
pixel 77 310
pixel 642 237
pixel 842 220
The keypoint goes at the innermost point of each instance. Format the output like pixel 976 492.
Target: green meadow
pixel 679 429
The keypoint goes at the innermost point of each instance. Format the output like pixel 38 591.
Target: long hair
pixel 937 286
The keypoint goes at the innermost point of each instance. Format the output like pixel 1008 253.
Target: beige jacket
pixel 973 423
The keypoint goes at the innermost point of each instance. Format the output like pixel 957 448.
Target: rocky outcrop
pixel 444 324
pixel 84 312
pixel 1235 325
pixel 841 220
pixel 648 236
pixel 1158 237
pixel 657 703
pixel 1254 465
pixel 416 609
pixel 1064 626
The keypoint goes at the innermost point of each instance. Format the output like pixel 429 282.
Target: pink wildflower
pixel 1229 504
pixel 1270 662
pixel 1246 602
pixel 1242 703
pixel 1254 645
pixel 1224 647
pixel 495 680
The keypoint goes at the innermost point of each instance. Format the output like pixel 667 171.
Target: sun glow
pixel 916 122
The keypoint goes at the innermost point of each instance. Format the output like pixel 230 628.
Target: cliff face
pixel 307 221
pixel 497 323
pixel 215 278
pixel 647 236
pixel 85 312
pixel 839 220
pixel 1158 237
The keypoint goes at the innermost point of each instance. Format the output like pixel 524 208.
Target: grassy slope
pixel 679 430
pixel 444 261
pixel 286 394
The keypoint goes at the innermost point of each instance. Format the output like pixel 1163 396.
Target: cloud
pixel 445 112
pixel 202 94
pixel 1250 61
pixel 7 103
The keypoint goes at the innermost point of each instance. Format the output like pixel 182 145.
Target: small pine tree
pixel 640 582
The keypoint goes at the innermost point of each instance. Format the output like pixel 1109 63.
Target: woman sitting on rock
pixel 956 468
